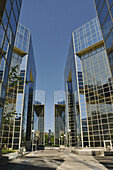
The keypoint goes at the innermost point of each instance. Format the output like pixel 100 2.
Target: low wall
pixel 41 148
pixel 88 152
pixel 108 153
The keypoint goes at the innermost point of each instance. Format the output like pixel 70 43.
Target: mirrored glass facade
pixel 59 117
pixel 104 10
pixel 23 59
pixel 98 93
pixel 88 86
pixel 87 35
pixel 9 16
pixel 39 117
pixel 71 88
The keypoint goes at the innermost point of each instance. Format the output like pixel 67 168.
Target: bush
pixel 7 151
pixel 41 145
pixel 56 145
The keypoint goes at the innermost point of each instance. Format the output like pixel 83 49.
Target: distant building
pixel 19 96
pixel 59 116
pixel 39 116
pixel 9 16
pixel 88 86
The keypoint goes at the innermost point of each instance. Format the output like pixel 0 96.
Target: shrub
pixel 56 145
pixel 8 151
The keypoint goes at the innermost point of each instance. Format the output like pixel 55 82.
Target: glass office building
pixel 59 117
pixel 39 117
pixel 9 16
pixel 104 10
pixel 88 85
pixel 74 91
pixel 19 94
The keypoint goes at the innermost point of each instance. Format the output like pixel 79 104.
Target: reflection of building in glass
pixel 9 16
pixel 89 88
pixel 39 116
pixel 105 15
pixel 19 96
pixel 59 115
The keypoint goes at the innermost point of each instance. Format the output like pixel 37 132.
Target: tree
pixel 46 138
pixel 52 138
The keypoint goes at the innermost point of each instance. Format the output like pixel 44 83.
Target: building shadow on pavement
pixel 33 163
pixel 13 166
pixel 105 161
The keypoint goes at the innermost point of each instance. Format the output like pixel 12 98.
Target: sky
pixel 51 23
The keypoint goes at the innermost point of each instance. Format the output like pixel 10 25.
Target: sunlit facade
pixel 39 117
pixel 9 16
pixel 88 86
pixel 59 116
pixel 105 15
pixel 17 132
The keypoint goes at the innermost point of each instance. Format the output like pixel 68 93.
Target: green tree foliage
pixel 52 138
pixel 46 139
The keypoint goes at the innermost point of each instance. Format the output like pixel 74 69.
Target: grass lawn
pixel 8 151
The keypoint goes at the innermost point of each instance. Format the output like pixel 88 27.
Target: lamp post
pixel 77 140
pixel 65 139
pixel 59 142
pixel 69 136
pixel 36 138
pixel 32 138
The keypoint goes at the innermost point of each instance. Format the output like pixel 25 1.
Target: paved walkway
pixel 11 156
pixel 54 160
pixel 14 155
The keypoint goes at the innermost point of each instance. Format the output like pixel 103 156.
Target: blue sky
pixel 51 23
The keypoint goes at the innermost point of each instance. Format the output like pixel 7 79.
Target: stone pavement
pixel 5 158
pixel 107 161
pixel 77 162
pixel 14 155
pixel 54 160
pixel 58 159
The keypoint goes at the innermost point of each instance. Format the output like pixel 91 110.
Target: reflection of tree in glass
pixel 14 81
